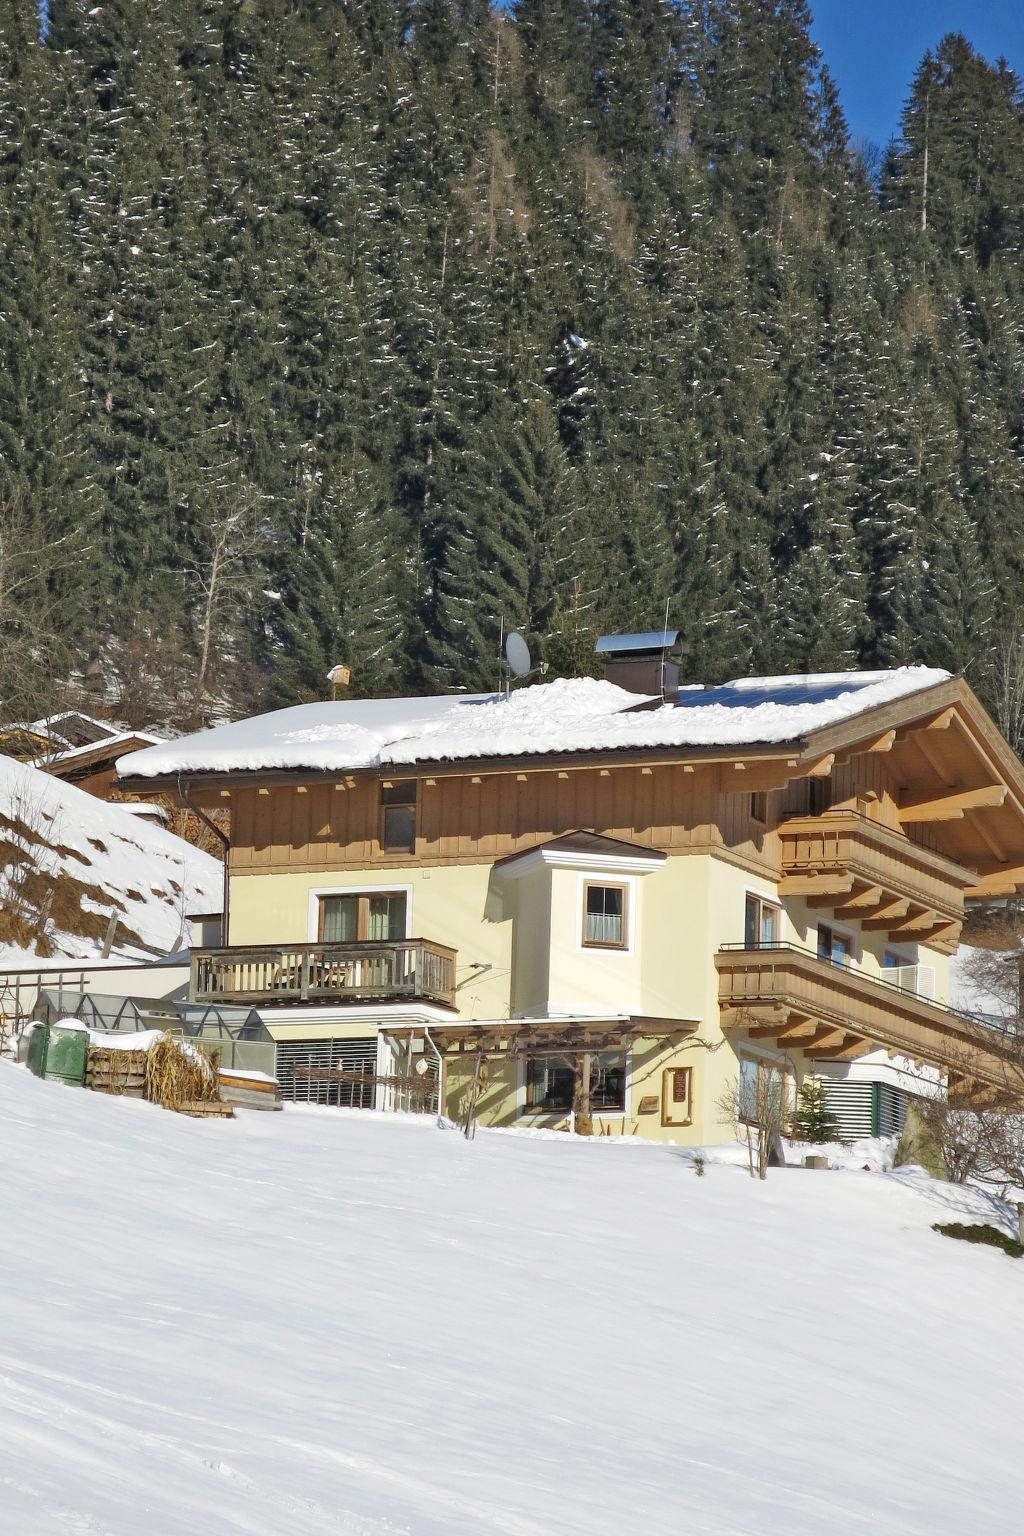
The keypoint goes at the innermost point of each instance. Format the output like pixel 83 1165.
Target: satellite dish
pixel 517 654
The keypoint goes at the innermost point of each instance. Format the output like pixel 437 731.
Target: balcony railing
pixel 875 875
pixel 386 970
pixel 830 1010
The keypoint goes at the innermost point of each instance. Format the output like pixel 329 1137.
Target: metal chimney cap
pixel 651 642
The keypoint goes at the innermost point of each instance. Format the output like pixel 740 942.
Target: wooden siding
pixel 477 818
pixel 473 820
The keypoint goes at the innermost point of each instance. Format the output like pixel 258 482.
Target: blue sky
pixel 873 47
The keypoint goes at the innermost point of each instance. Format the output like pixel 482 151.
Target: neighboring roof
pixel 74 728
pixel 583 848
pixel 91 753
pixel 566 716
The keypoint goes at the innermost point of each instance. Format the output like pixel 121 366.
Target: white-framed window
pixel 764 1088
pixel 762 923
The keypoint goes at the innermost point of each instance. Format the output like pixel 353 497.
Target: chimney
pixel 645 663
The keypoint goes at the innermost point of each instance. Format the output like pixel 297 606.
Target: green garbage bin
pixel 58 1051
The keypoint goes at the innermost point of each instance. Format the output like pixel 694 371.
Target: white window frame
pixel 777 907
pixel 386 888
pixel 603 877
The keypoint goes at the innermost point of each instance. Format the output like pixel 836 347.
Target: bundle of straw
pixel 177 1073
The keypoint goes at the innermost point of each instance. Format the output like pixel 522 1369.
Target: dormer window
pixel 398 816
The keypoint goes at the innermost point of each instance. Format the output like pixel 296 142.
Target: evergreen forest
pixel 356 330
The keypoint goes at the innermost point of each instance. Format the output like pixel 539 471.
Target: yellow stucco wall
pixel 452 904
pixel 520 953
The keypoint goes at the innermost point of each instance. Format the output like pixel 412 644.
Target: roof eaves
pixel 430 768
pixel 882 717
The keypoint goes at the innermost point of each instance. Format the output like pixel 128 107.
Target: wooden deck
pixel 385 970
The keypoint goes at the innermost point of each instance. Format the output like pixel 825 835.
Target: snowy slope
pixel 79 858
pixel 323 1323
pixel 569 715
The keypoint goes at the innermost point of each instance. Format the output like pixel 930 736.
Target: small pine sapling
pixel 814 1121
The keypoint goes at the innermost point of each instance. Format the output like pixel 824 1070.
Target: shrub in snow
pixel 981 1233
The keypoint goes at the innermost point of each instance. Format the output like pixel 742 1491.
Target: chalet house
pixel 610 899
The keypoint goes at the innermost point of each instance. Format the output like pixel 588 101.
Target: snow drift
pixel 326 1323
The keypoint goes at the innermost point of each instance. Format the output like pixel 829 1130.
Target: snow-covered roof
pixel 71 723
pixel 569 715
pixel 105 745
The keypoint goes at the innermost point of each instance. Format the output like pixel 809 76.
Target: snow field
pixel 338 1323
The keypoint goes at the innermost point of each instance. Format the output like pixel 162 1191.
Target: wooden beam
pixel 951 807
pixel 768 1016
pixel 1001 879
pixel 917 919
pixel 853 1047
pixel 938 722
pixel 987 836
pixel 817 885
pixel 940 934
pixel 864 901
pixel 927 751
pixel 800 1028
pixel 769 1031
pixel 883 743
pixel 888 916
pixel 822 767
pixel 825 1038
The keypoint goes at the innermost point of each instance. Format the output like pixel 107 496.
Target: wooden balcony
pixel 787 995
pixel 869 874
pixel 381 971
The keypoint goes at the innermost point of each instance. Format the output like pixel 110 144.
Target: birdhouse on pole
pixel 339 678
